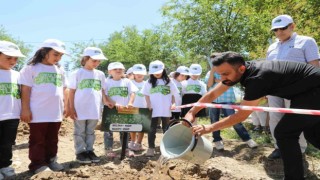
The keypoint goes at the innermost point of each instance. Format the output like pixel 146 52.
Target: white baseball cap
pixel 55 44
pixel 94 53
pixel 195 69
pixel 156 67
pixel 115 65
pixel 139 69
pixel 10 49
pixel 281 21
pixel 183 70
pixel 129 71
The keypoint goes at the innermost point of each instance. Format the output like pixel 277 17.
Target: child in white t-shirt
pixel 121 91
pixel 193 89
pixel 10 105
pixel 43 104
pixel 159 92
pixel 181 74
pixel 85 100
pixel 139 71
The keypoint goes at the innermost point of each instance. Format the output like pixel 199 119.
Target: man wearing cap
pixel 296 81
pixel 289 46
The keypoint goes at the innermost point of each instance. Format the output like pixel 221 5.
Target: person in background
pixel 179 75
pixel 193 89
pixel 259 118
pixel 139 71
pixel 85 99
pixel 121 91
pixel 159 92
pixel 227 97
pixel 289 46
pixel 129 73
pixel 10 105
pixel 44 102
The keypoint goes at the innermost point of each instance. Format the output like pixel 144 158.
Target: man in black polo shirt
pixel 298 82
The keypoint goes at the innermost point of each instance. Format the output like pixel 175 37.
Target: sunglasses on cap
pixel 282 29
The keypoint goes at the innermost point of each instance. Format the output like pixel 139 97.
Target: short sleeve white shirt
pixel 139 100
pixel 160 97
pixel 120 90
pixel 88 96
pixel 191 86
pixel 10 100
pixel 46 98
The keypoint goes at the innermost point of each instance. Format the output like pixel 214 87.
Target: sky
pixel 33 21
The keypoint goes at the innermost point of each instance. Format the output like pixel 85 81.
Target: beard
pixel 229 82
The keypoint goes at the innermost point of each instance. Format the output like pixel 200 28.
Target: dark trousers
pixel 175 115
pixel 43 143
pixel 8 133
pixel 153 129
pixel 289 128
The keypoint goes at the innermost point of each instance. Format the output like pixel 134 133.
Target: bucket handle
pixel 190 124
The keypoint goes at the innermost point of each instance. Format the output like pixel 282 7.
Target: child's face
pixel 92 64
pixel 194 77
pixel 7 62
pixel 116 73
pixel 52 58
pixel 138 77
pixel 181 77
pixel 158 76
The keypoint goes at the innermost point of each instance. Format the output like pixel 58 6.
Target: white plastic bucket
pixel 178 142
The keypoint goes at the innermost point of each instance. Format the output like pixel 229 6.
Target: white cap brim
pixel 60 50
pixel 156 72
pixel 276 27
pixel 13 53
pixel 99 57
pixel 140 72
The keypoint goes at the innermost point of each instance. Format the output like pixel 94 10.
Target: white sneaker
pixel 252 144
pixel 129 153
pixel 7 172
pixel 131 145
pixel 137 147
pixel 219 145
pixel 41 169
pixel 150 152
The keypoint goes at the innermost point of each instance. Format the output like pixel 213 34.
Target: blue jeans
pixel 214 114
pixel 84 135
pixel 108 139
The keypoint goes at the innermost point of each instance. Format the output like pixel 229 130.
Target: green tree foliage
pixel 203 26
pixel 25 49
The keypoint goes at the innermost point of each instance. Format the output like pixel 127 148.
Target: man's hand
pixel 201 129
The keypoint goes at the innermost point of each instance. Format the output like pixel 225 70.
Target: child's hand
pixel 129 105
pixel 149 107
pixel 173 106
pixel 26 116
pixel 73 114
pixel 118 106
pixel 109 104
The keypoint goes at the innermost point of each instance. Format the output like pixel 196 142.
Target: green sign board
pixel 126 116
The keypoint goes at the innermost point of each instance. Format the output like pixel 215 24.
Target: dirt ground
pixel 237 161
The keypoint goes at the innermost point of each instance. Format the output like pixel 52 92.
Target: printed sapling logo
pixel 10 89
pixel 97 52
pixel 277 21
pixel 195 88
pixel 118 91
pixel 49 78
pixel 165 90
pixel 90 83
pixel 155 67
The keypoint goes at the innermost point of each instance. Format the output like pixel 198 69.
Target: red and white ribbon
pixel 253 108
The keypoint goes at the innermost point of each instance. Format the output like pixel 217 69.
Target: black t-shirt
pixel 278 78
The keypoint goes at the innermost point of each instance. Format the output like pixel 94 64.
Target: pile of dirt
pixel 237 161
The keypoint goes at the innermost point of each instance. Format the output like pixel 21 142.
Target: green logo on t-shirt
pixel 118 91
pixel 90 83
pixel 180 90
pixel 10 89
pixel 160 89
pixel 139 92
pixel 47 78
pixel 195 88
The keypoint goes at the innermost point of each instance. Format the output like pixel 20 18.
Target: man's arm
pixel 207 98
pixel 314 63
pixel 211 79
pixel 231 120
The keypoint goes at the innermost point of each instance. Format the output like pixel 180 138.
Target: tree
pixel 25 49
